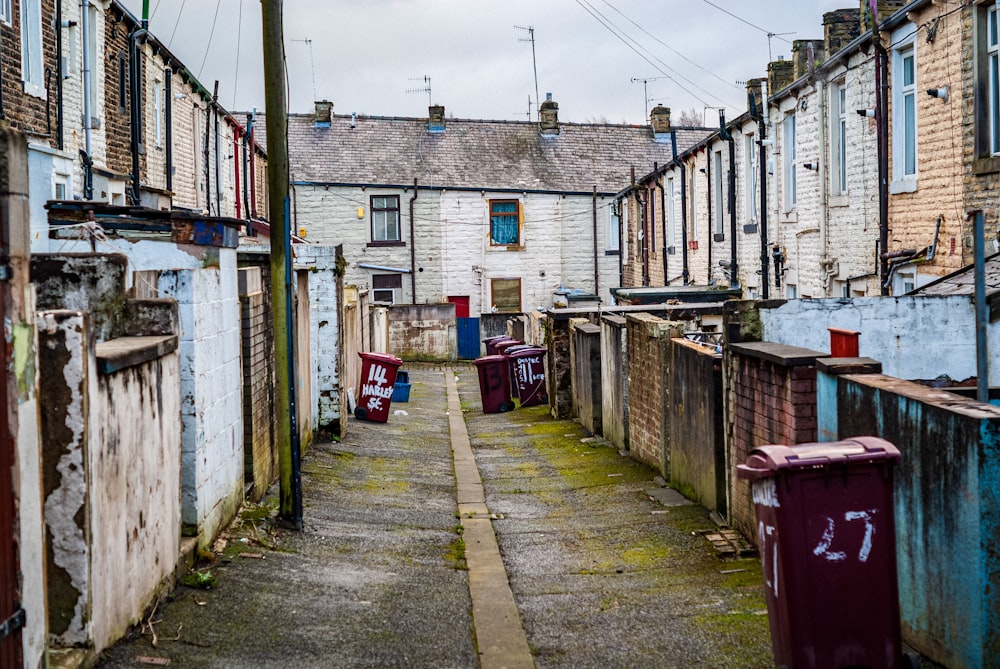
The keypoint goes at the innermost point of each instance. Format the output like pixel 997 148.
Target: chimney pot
pixel 549 113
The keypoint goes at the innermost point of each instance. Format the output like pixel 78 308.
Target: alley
pixel 602 574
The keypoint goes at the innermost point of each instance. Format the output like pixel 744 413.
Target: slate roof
pixel 963 281
pixel 476 154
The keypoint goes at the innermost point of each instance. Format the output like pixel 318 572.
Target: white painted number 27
pixel 825 546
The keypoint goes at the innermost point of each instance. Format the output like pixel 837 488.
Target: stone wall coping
pixel 701 349
pixel 613 319
pixel 115 355
pixel 673 311
pixel 588 328
pixel 840 366
pixel 781 354
pixel 936 397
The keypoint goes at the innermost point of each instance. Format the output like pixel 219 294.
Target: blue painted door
pixel 468 338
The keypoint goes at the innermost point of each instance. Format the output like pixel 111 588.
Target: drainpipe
pixel 168 109
pixel 622 229
pixel 135 83
pixel 643 251
pixel 59 75
pixel 218 151
pixel 597 272
pixel 208 158
pixel 85 153
pixel 236 172
pixel 413 246
pixel 684 209
pixel 881 123
pixel 982 312
pixel 765 289
pixel 727 134
pixel 252 174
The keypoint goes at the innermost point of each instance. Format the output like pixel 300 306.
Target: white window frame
pixel 838 130
pixel 6 13
pixel 671 213
pixel 750 178
pixel 790 162
pixel 94 20
pixel 383 291
pixel 32 55
pixel 624 212
pixel 993 76
pixel 904 154
pixel 694 204
pixel 158 113
pixel 614 228
pixel 720 210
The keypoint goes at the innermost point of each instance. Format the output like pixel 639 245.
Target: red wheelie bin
pixel 378 379
pixel 494 384
pixel 491 342
pixel 527 375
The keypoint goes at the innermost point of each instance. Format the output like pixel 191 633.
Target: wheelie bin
pixel 378 379
pixel 501 346
pixel 494 384
pixel 527 374
pixel 827 540
pixel 491 342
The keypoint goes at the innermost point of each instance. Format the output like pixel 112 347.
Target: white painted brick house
pixel 498 215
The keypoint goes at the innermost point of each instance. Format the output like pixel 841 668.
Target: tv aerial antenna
pixel 645 93
pixel 771 35
pixel 534 63
pixel 426 88
pixel 312 64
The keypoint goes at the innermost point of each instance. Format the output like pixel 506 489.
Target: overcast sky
pixel 366 54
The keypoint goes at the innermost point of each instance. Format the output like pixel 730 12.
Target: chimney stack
pixel 549 112
pixel 840 27
pixel 324 113
pixel 754 104
pixel 780 73
pixel 435 118
pixel 659 119
pixel 886 8
pixel 800 56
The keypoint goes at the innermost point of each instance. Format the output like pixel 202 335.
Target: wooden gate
pixel 467 329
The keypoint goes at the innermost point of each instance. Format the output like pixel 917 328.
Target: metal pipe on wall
pixel 413 246
pixel 982 311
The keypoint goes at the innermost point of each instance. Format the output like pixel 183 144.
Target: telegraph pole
pixel 276 123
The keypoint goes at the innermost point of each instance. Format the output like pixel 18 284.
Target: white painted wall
pixel 913 337
pixel 324 331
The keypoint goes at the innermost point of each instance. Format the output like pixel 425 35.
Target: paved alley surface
pixel 602 574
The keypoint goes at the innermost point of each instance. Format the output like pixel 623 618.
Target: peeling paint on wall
pixel 24 359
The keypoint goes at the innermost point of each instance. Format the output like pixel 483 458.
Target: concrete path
pixel 519 542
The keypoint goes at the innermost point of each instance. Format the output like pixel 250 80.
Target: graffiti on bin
pixel 767 536
pixel 823 548
pixel 376 388
pixel 526 371
pixel 494 378
pixel 765 493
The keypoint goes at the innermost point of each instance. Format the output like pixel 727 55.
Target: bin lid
pixel 488 360
pixel 765 461
pixel 380 357
pixel 525 351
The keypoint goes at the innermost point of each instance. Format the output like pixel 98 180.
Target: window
pixel 719 211
pixel 838 118
pixel 614 227
pixel 384 287
pixel 32 69
pixel 671 216
pixel 505 222
pixel 694 205
pixel 904 115
pixel 92 62
pixel 5 11
pixel 385 218
pixel 506 295
pixel 788 150
pixel 987 81
pixel 158 113
pixel 122 84
pixel 750 180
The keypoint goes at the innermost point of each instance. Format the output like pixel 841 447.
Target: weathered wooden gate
pixel 467 329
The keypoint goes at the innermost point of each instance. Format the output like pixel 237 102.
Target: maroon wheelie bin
pixel 501 346
pixel 827 539
pixel 494 384
pixel 378 379
pixel 527 374
pixel 491 343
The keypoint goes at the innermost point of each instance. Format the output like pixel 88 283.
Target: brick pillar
pixel 558 381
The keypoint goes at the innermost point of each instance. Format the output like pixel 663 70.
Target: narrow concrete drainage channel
pixel 500 635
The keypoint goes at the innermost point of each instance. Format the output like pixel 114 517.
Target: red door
pixel 11 614
pixel 461 306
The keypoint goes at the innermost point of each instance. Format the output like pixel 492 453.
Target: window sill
pixel 506 247
pixel 35 90
pixel 986 165
pixel 789 217
pixel 385 243
pixel 719 237
pixel 904 186
pixel 612 252
pixel 750 228
pixel 839 200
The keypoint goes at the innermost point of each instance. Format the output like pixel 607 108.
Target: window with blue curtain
pixel 504 222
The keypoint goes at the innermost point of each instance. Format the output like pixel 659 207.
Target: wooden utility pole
pixel 277 188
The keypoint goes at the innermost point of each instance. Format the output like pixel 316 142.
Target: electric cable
pixel 211 34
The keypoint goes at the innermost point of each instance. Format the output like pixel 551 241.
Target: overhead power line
pixel 752 25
